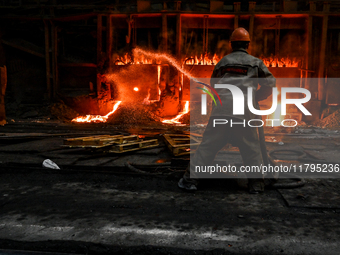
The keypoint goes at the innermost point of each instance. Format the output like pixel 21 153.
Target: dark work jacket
pixel 242 70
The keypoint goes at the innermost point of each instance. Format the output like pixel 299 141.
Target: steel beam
pixel 225 22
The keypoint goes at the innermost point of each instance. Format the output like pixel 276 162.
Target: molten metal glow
pixel 147 100
pixel 140 59
pixel 281 62
pixel 175 120
pixel 159 73
pixel 269 62
pixel 159 94
pixel 97 118
pixel 203 60
pixel 135 88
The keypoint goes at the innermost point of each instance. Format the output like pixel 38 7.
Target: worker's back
pixel 242 70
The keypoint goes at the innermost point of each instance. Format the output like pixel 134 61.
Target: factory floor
pixel 95 205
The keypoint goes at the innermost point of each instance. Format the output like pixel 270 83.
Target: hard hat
pixel 240 34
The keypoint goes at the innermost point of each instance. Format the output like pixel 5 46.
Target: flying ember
pixel 166 57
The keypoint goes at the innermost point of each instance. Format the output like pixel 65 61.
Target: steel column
pixel 109 40
pixel 54 33
pixel 178 37
pixel 164 33
pixel 47 60
pixel 99 50
pixel 321 71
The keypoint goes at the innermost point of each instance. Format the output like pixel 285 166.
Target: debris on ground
pixel 331 121
pixel 181 144
pixel 50 164
pixel 132 114
pixel 328 111
pixel 112 144
pixel 185 119
pixel 63 112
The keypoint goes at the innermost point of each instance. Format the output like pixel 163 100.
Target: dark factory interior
pixel 100 119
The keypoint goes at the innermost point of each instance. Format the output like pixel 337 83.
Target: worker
pixel 231 69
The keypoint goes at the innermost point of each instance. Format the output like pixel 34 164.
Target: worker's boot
pixel 188 186
pixel 255 186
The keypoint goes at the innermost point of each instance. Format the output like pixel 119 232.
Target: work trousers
pixel 215 138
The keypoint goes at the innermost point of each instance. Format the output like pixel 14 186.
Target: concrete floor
pixel 96 206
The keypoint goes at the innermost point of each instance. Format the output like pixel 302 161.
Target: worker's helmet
pixel 240 35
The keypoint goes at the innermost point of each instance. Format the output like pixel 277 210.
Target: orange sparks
pixel 175 120
pixel 96 118
pixel 135 88
pixel 159 56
